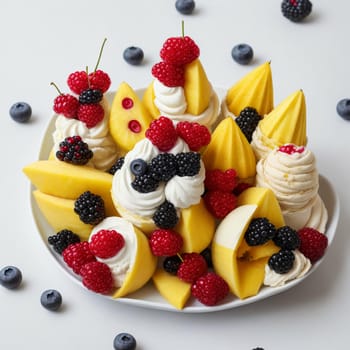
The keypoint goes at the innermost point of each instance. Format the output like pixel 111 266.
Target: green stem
pixel 56 87
pixel 100 54
pixel 183 28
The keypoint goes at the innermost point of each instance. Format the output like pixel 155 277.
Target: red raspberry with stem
pixel 220 203
pixel 97 276
pixel 78 254
pixel 179 50
pixel 313 243
pixel 65 104
pixel 194 134
pixel 169 74
pixel 162 133
pixel 210 289
pixel 106 243
pixel 90 114
pixel 78 82
pixel 99 80
pixel 165 242
pixel 217 179
pixel 192 267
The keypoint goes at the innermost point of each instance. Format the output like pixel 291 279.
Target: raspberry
pixel 78 81
pixel 259 231
pixel 74 150
pixel 296 10
pixel 313 243
pixel 192 267
pixel 166 216
pixel 67 105
pixel 62 239
pixel 187 163
pixel 106 243
pixel 179 51
pixel 194 134
pixel 165 242
pixel 90 114
pixel 220 203
pixel 162 134
pixel 220 180
pixel 78 254
pixel 290 149
pixel 97 277
pixel 169 74
pixel 247 121
pixel 171 264
pixel 286 238
pixel 210 289
pixel 99 80
pixel 90 208
pixel 282 262
pixel 90 96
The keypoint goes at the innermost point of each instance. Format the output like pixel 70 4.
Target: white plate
pixel 148 296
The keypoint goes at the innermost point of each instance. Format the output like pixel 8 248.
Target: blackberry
pixel 259 231
pixel 286 238
pixel 138 167
pixel 171 264
pixel 62 239
pixel 90 208
pixel 144 183
pixel 166 216
pixel 247 121
pixel 282 262
pixel 187 163
pixel 89 96
pixel 116 166
pixel 206 253
pixel 74 150
pixel 163 166
pixel 296 10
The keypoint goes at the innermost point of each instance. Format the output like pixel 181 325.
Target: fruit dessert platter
pixel 181 196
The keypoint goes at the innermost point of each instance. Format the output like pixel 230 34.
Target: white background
pixel 44 41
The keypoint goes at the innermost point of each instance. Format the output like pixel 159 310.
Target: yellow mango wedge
pixel 70 181
pixel 254 90
pixel 60 215
pixel 171 288
pixel 229 149
pixel 148 101
pixel 129 118
pixel 197 88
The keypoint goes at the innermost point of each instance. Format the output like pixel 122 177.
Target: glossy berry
pixel 165 242
pixel 313 244
pixel 163 166
pixel 138 167
pixel 220 203
pixel 76 255
pixel 210 289
pixel 291 149
pixel 97 276
pixel 51 299
pixel 90 96
pixel 260 230
pixel 296 10
pixel 116 166
pixel 282 262
pixel 62 239
pixel 99 80
pixel 247 121
pixel 218 180
pixel 106 243
pixel 179 51
pixel 162 134
pixel 192 267
pixel 124 341
pixel 242 53
pixel 10 277
pixel 185 7
pixel 133 55
pixel 145 183
pixel 166 216
pixel 171 264
pixel 67 105
pixel 21 112
pixel 187 163
pixel 78 82
pixel 286 238
pixel 343 108
pixel 90 114
pixel 90 208
pixel 74 150
pixel 170 75
pixel 194 134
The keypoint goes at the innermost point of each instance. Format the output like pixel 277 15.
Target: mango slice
pixel 148 101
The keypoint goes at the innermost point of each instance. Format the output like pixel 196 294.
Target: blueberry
pixel 10 277
pixel 124 341
pixel 185 7
pixel 51 299
pixel 21 112
pixel 343 108
pixel 138 167
pixel 242 53
pixel 133 55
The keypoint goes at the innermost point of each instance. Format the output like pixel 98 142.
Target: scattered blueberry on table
pixel 242 53
pixel 51 299
pixel 124 341
pixel 185 7
pixel 10 277
pixel 21 112
pixel 133 55
pixel 343 108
